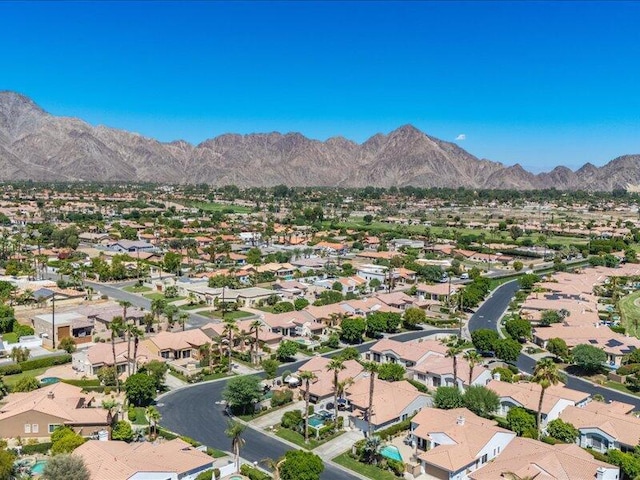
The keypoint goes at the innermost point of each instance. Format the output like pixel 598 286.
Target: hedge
pixel 253 473
pixel 11 369
pixel 394 429
pixel 82 383
pixel 42 448
pixel 422 388
pixel 628 369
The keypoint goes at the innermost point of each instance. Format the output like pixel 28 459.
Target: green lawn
pixel 11 380
pixel 369 471
pixel 620 387
pixel 160 296
pixel 215 453
pixel 298 438
pixel 136 289
pixel 10 337
pixel 630 313
pixel 234 315
pixel 192 307
pixel 220 207
pixel 141 418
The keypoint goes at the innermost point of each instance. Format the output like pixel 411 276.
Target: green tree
pixel 270 367
pixel 376 324
pixel 588 357
pixel 307 378
pixel 283 307
pixel 287 350
pixel 336 365
pixel 301 465
pixel 349 353
pixel 140 389
pixel 447 398
pixel 518 265
pixel 234 431
pixel 507 349
pixel 545 374
pixel 107 376
pixel 484 339
pixel 157 370
pixel 300 303
pixel 254 256
pixel 26 384
pixel 473 358
pixel 67 344
pixel 328 297
pixel 518 329
pixel 391 372
pixel 122 431
pixel 481 400
pixel 65 467
pixel 414 317
pixel 528 280
pixel 559 348
pixel 6 464
pixel 172 262
pixel 337 286
pixel 563 431
pixel 520 421
pixel 352 329
pixel 65 440
pixel 550 316
pixel 241 393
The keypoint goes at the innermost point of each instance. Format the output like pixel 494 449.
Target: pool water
pixel 316 421
pixel 391 452
pixel 38 467
pixel 49 380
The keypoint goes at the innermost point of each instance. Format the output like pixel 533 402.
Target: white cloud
pixel 462 136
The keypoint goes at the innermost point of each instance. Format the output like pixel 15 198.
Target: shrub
pixel 45 362
pixel 520 421
pixel 291 420
pixel 122 431
pixel 393 430
pixel 42 448
pixel 132 415
pixel 395 466
pixel 208 475
pixel 325 431
pixel 281 397
pixel 448 398
pixel 506 375
pixel 422 388
pixel 26 384
pixel 11 369
pixel 563 431
pixel 253 473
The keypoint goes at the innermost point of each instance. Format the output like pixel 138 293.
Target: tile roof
pixel 527 394
pixel 606 417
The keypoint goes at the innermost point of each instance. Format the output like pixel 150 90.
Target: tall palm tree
pixel 545 374
pixel 182 319
pixel 307 377
pixel 372 369
pixel 455 349
pixel 473 358
pixel 128 330
pixel 153 415
pixel 125 304
pixel 372 449
pixel 116 329
pixel 230 328
pixel 234 431
pixel 335 365
pixel 137 333
pixel 255 329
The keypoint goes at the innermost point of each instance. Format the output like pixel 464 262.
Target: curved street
pixel 195 411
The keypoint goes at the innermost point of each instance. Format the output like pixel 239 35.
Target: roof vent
pixel 460 420
pixel 50 395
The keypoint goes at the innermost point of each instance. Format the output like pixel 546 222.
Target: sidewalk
pixel 274 417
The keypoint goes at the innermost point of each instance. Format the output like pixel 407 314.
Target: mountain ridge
pixel 37 145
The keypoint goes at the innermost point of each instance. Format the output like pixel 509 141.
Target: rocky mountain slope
pixel 39 146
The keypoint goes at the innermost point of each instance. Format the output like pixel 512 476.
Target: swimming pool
pixel 38 467
pixel 392 452
pixel 316 421
pixel 49 380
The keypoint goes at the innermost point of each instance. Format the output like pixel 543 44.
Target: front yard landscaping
pixel 369 471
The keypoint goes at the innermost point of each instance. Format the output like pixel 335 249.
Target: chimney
pixel 50 395
pixel 600 473
pixel 460 420
pixel 496 376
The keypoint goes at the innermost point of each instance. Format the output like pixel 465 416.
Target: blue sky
pixel 538 83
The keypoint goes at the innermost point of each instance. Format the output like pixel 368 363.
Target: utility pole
pixel 53 320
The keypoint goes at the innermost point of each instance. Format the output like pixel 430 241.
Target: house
pixel 399 300
pixel 177 345
pixel 131 246
pixel 604 425
pixel 373 272
pixel 437 371
pixel 407 354
pixel 100 355
pixel 393 402
pixel 439 292
pixel 527 395
pixel 321 387
pixel 66 324
pixel 296 323
pixel 36 414
pixel 527 458
pixel 170 460
pixel 280 270
pixel 451 444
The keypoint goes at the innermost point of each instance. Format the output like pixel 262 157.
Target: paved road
pixel 490 312
pixel 488 315
pixel 193 411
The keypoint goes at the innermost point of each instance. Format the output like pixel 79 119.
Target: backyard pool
pixel 392 452
pixel 38 467
pixel 49 380
pixel 316 421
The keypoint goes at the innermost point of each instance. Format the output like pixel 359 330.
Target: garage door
pixel 436 472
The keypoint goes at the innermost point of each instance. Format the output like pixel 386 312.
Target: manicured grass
pixel 136 289
pixel 11 380
pixel 192 307
pixel 298 438
pixel 620 387
pixel 158 296
pixel 220 207
pixel 215 453
pixel 141 418
pixel 369 471
pixel 10 337
pixel 325 349
pixel 630 313
pixel 234 315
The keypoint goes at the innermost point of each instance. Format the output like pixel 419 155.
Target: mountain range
pixel 39 146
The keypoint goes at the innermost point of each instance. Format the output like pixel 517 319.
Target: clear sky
pixel 538 83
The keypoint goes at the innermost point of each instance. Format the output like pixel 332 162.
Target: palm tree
pixel 255 329
pixel 230 328
pixel 116 330
pixel 372 449
pixel 154 417
pixel 545 374
pixel 125 304
pixel 234 431
pixel 182 319
pixel 137 333
pixel 170 312
pixel 473 358
pixel 274 466
pixel 148 322
pixel 128 330
pixel 157 307
pixel 110 405
pixel 335 365
pixel 307 377
pixel 372 368
pixel 455 349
